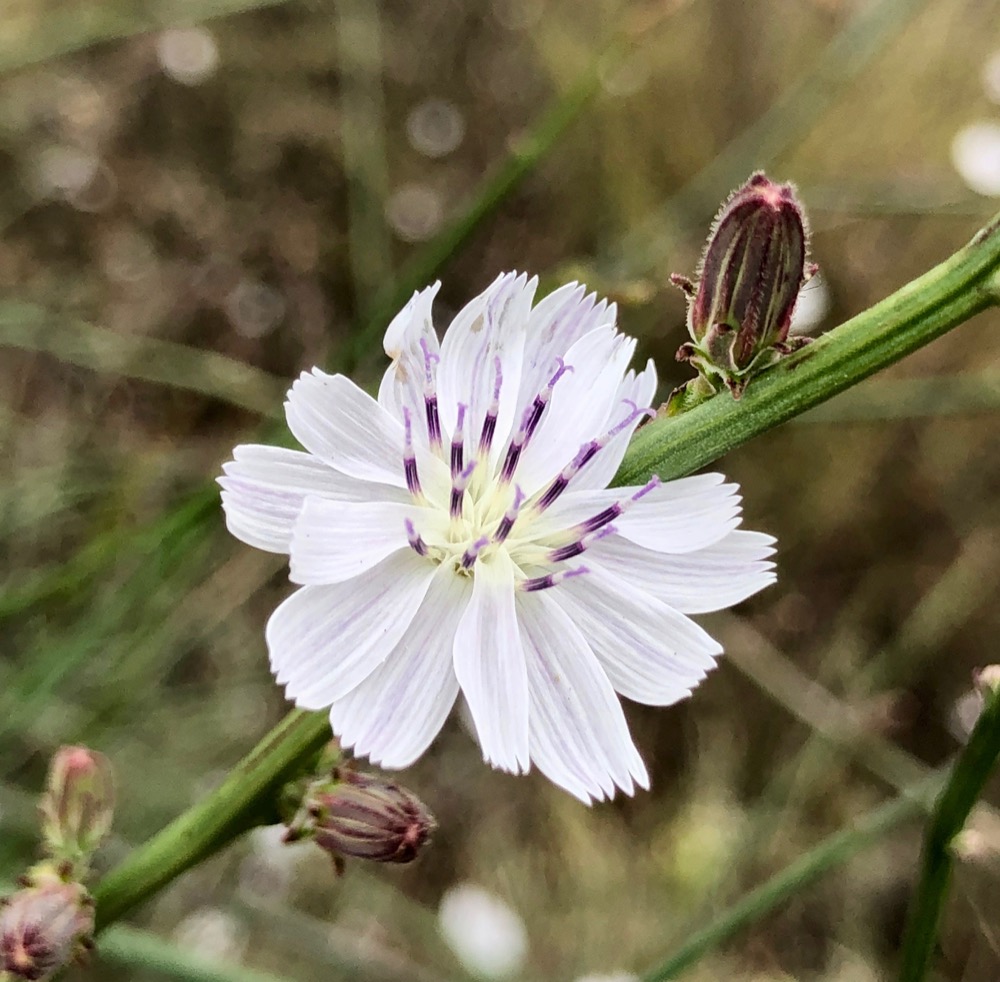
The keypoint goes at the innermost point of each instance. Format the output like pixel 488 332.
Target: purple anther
pixel 490 422
pixel 417 544
pixel 542 400
pixel 610 513
pixel 430 395
pixel 458 486
pixel 515 448
pixel 567 474
pixel 470 554
pixel 551 580
pixel 580 545
pixel 410 458
pixel 458 442
pixel 510 516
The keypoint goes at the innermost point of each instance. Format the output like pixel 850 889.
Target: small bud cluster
pixel 347 813
pixel 50 921
pixel 740 310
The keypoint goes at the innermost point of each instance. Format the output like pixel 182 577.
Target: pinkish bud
pixel 368 818
pixel 78 804
pixel 749 278
pixel 43 928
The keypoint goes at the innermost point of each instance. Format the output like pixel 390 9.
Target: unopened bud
pixel 43 928
pixel 368 818
pixel 78 804
pixel 754 265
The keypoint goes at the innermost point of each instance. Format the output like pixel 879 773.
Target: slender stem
pixel 135 949
pixel 915 315
pixel 965 784
pixel 831 852
pixel 246 798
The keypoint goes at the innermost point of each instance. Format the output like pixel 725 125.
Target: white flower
pixel 457 534
pixel 487 937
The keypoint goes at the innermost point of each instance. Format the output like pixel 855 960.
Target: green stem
pixel 246 798
pixel 133 949
pixel 831 852
pixel 965 785
pixel 915 315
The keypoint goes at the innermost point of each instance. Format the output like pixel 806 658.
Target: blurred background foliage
pixel 199 199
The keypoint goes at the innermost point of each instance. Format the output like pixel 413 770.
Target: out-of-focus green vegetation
pixel 200 200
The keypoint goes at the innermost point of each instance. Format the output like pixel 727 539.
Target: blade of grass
pixel 73 26
pixel 33 328
pixel 830 853
pixel 966 781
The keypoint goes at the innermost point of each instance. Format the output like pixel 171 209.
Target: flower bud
pixel 43 928
pixel 368 818
pixel 749 278
pixel 78 804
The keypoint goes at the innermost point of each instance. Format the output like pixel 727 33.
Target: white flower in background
pixel 975 152
pixel 457 534
pixel 487 937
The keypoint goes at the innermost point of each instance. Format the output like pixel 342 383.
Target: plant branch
pixel 913 316
pixel 965 784
pixel 246 798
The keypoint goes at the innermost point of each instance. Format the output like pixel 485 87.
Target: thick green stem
pixel 246 798
pixel 915 315
pixel 832 851
pixel 965 785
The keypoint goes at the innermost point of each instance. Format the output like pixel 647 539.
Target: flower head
pixel 749 279
pixel 457 533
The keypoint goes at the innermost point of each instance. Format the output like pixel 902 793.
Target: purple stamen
pixel 470 554
pixel 410 458
pixel 542 400
pixel 417 544
pixel 618 508
pixel 430 395
pixel 580 545
pixel 551 580
pixel 490 422
pixel 515 448
pixel 510 516
pixel 458 486
pixel 458 442
pixel 585 455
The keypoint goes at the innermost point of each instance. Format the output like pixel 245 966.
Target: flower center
pixel 484 510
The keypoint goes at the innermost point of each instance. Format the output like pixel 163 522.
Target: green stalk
pixel 970 774
pixel 913 316
pixel 246 798
pixel 831 852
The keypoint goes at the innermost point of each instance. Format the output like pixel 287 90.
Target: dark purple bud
pixel 43 928
pixel 368 818
pixel 78 804
pixel 754 265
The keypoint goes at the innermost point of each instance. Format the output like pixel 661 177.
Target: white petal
pixel 638 390
pixel 393 715
pixel 333 541
pixel 579 408
pixel 489 327
pixel 556 323
pixel 403 382
pixel 579 737
pixel 676 517
pixel 651 653
pixel 489 663
pixel 325 640
pixel 264 489
pixel 698 582
pixel 344 426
